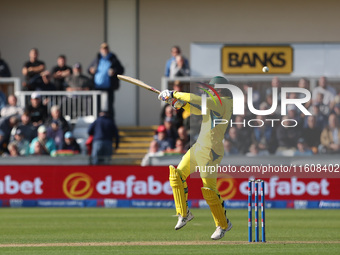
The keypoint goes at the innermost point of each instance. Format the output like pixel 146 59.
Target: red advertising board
pixel 135 182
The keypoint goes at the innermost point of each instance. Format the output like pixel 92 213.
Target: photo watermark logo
pixel 238 105
pixel 204 96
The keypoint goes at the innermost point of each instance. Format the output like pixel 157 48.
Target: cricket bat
pixel 138 83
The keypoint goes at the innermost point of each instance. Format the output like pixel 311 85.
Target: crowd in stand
pixel 35 130
pixel 250 135
pixel 300 135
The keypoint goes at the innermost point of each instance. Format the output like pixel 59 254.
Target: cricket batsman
pixel 207 151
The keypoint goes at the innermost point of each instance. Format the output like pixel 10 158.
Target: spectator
pixel 302 148
pixel 42 145
pixel 153 148
pixel 255 95
pixel 311 133
pixel 324 108
pixel 255 151
pixel 293 113
pixel 232 137
pixel 243 134
pixel 192 125
pixel 275 83
pixel 183 135
pixel 4 69
pixel 327 91
pixel 161 139
pixel 175 51
pixel 70 143
pixel 178 86
pixel 2 100
pixel 336 111
pixel 7 125
pixel 263 106
pixel 11 108
pixel 37 110
pixel 60 72
pixel 45 83
pixel 330 136
pixel 287 136
pixel 56 133
pixel 26 127
pixel 21 143
pixel 32 69
pixel 77 81
pixel 170 113
pixel 171 132
pixel 263 136
pixel 179 67
pixel 304 83
pixel 153 151
pixel 103 130
pixel 247 113
pixel 88 145
pixel 104 69
pixel 321 119
pixel 291 106
pixel 337 99
pixel 179 148
pixel 13 150
pixel 3 143
pixel 38 150
pixel 229 149
pixel 269 101
pixel 56 116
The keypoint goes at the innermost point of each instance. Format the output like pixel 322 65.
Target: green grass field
pixel 151 231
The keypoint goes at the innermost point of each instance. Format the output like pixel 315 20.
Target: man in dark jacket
pixel 37 110
pixel 70 143
pixel 104 69
pixel 32 70
pixel 103 130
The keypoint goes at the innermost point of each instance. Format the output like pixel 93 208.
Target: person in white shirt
pixel 11 108
pixel 328 92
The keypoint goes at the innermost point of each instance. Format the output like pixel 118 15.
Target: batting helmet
pixel 218 80
pixel 221 80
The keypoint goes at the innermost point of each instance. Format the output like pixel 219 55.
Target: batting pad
pixel 217 211
pixel 178 191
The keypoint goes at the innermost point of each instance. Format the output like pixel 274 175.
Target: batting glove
pixel 177 104
pixel 165 95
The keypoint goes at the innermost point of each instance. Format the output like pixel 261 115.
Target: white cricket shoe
pixel 220 232
pixel 182 221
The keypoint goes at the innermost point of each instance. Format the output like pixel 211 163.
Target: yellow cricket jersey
pixel 211 135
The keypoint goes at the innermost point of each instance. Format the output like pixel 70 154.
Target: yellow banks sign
pixel 251 59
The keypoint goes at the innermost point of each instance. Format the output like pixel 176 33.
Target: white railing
pixel 73 104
